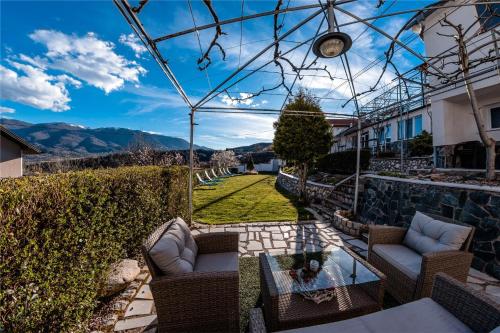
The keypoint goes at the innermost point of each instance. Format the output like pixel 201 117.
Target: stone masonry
pixel 394 164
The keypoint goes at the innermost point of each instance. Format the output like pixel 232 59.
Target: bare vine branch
pixel 205 59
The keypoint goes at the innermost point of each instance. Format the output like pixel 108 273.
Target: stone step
pixel 335 204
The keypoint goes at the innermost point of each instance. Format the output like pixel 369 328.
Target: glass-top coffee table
pixel 357 288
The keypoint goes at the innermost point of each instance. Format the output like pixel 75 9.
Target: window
pixel 489 15
pixel 495 117
pixel 409 128
pixel 418 125
pixel 380 136
pixel 364 140
pixel 388 133
pixel 401 126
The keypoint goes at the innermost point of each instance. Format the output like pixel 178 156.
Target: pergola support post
pixel 358 167
pixel 191 164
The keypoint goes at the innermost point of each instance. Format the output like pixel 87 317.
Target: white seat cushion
pixel 429 235
pixel 175 252
pixel 217 262
pixel 422 316
pixel 401 257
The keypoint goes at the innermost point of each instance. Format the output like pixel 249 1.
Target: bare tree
pixel 464 61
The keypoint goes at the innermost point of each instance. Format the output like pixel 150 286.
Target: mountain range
pixel 67 140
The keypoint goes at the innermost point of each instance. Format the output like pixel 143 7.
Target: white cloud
pixel 4 109
pixel 88 58
pixel 245 100
pixel 134 43
pixel 35 88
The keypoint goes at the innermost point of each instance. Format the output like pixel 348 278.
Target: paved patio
pixel 271 237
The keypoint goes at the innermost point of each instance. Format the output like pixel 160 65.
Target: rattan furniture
pixel 205 300
pixel 452 308
pixel 408 284
pixel 359 289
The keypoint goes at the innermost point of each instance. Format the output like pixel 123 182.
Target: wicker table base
pixel 291 310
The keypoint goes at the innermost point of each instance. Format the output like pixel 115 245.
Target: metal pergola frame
pixel 131 15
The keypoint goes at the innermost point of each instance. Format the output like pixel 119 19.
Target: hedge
pixel 343 162
pixel 59 234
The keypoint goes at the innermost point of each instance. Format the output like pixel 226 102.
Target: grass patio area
pixel 249 198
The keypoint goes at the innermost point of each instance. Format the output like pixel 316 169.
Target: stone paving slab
pixel 144 293
pixel 131 323
pixel 139 307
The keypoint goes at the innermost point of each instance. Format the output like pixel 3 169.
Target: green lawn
pixel 250 198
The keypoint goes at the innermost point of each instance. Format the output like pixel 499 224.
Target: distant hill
pixel 66 140
pixel 255 148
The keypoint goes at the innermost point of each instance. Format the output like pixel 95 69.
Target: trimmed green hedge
pixel 343 162
pixel 59 234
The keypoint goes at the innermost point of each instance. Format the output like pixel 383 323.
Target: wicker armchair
pixel 205 301
pixel 404 287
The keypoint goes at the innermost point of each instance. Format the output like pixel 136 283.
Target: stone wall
pixel 394 164
pixel 315 191
pixel 393 201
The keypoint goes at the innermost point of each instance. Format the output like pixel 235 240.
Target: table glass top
pixel 337 268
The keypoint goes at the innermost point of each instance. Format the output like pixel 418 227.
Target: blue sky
pixel 77 62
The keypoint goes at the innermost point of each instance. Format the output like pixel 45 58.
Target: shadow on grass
pixel 229 194
pixel 303 214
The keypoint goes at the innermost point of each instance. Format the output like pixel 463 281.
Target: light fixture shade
pixel 332 45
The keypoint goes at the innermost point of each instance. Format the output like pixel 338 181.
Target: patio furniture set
pixel 214 178
pixel 195 283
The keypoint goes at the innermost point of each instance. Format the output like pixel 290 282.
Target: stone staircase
pixel 342 198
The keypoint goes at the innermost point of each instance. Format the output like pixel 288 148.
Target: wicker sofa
pixel 453 308
pixel 411 257
pixel 197 296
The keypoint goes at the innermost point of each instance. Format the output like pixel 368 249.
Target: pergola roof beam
pixel 255 57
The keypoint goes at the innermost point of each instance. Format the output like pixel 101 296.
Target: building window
pixel 364 140
pixel 489 15
pixel 401 127
pixel 418 125
pixel 409 128
pixel 380 136
pixel 388 133
pixel 495 117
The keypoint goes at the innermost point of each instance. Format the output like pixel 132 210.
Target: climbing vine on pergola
pixel 396 86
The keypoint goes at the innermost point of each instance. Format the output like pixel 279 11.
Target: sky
pixel 79 62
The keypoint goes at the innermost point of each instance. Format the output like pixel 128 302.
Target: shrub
pixel 59 234
pixel 343 162
pixel 421 145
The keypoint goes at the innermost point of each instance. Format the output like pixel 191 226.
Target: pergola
pixel 326 15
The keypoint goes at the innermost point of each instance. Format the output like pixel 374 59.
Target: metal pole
pixel 401 126
pixel 358 167
pixel 191 164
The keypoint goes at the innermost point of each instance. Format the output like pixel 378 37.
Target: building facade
pixel 456 136
pixel 12 150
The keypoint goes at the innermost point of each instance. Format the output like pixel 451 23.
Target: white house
pixel 387 134
pixel 454 127
pixel 12 149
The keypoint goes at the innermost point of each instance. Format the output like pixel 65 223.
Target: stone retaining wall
pixel 394 164
pixel 315 191
pixel 393 201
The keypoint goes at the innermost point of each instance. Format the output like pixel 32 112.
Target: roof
pixel 27 147
pixel 342 122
